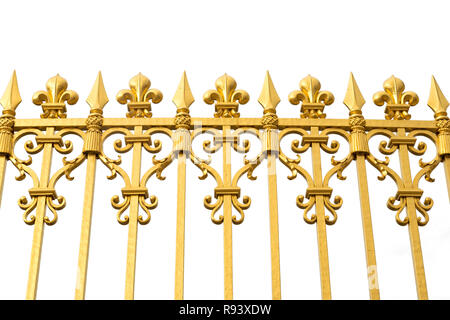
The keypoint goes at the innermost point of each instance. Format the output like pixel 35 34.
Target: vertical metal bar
pixel 83 256
pixel 181 203
pixel 321 224
pixel 413 228
pixel 371 262
pixel 3 161
pixel 274 238
pixel 447 172
pixel 38 233
pixel 227 223
pixel 133 219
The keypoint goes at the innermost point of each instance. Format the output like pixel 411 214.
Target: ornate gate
pixel 227 205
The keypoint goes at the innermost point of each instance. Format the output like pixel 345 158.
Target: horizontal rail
pixel 234 123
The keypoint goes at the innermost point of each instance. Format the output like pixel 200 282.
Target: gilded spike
pixel 437 101
pixel 397 101
pixel 11 98
pixel 313 100
pixel 183 96
pixel 53 101
pixel 227 97
pixel 354 100
pixel 138 97
pixel 97 98
pixel 269 98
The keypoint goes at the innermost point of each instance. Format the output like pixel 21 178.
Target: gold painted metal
pixel 397 101
pixel 359 147
pixel 135 193
pixel 313 100
pixel 227 104
pixel 10 100
pixel 39 223
pixel 439 104
pixel 53 104
pixel 269 100
pixel 320 222
pixel 139 96
pixel 133 219
pixel 53 100
pixel 182 145
pixel 97 100
pixel 226 128
pixel 234 123
pixel 408 193
pixel 313 103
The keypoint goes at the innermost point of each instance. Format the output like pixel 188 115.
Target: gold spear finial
pixel 97 99
pixel 269 98
pixel 353 100
pixel 437 101
pixel 183 96
pixel 11 98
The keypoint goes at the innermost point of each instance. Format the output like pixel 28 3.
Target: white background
pixel 327 39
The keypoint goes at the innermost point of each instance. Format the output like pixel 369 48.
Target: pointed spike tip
pixel 97 99
pixel 268 98
pixel 183 97
pixel 437 101
pixel 11 98
pixel 354 99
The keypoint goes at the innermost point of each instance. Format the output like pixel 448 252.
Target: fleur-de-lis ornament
pixel 227 97
pixel 53 101
pixel 269 100
pixel 397 101
pixel 139 96
pixel 313 100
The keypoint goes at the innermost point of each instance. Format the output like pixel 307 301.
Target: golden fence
pixel 134 207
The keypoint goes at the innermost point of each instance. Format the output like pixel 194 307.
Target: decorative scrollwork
pixel 208 147
pixel 206 170
pixel 338 168
pixel 248 168
pixel 53 208
pixel 398 208
pixel 306 208
pixel 121 206
pixel 147 206
pixel 114 166
pixel 294 164
pixel 317 187
pixel 141 191
pixel 383 165
pixel 28 207
pixel 245 146
pixel 155 146
pixel 221 190
pixel 399 202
